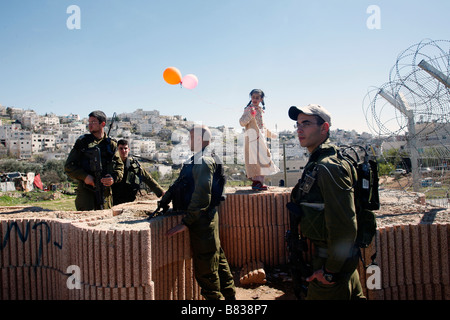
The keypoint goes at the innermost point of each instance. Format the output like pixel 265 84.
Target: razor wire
pixel 411 113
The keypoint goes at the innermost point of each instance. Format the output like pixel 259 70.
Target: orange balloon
pixel 172 75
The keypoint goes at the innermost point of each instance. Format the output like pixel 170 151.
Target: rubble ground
pixel 277 287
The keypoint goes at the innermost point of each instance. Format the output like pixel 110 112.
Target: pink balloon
pixel 189 81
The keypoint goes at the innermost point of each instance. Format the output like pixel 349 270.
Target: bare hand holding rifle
pixel 107 181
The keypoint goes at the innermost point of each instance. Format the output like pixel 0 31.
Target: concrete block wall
pixel 142 263
pixel 114 264
pixel 31 259
pixel 172 268
pixel 37 257
pixel 414 263
pixel 253 226
pixel 413 259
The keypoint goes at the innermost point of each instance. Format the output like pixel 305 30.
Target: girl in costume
pixel 258 160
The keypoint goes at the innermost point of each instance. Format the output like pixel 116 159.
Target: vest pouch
pixel 136 184
pixel 312 224
pixel 367 228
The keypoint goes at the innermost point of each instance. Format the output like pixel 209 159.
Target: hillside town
pixel 162 140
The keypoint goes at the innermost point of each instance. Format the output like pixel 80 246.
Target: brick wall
pixel 414 262
pixel 37 258
pixel 252 228
pixel 36 254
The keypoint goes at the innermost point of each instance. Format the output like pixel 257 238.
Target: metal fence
pixel 439 202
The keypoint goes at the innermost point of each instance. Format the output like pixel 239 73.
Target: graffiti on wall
pixel 44 235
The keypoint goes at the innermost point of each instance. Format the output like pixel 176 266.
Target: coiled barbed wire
pixel 420 97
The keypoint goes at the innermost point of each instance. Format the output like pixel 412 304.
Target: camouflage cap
pixel 310 109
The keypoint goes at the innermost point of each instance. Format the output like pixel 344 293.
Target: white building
pixel 19 144
pixel 43 142
pixel 143 148
pixel 30 119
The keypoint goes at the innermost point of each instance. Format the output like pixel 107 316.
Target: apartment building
pixel 43 142
pixel 19 144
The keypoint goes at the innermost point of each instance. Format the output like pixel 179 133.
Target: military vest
pixel 308 195
pixel 184 187
pixel 87 144
pixel 133 178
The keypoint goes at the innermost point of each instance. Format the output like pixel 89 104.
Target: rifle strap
pixel 372 257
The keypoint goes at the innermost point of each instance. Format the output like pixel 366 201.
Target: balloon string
pixel 209 102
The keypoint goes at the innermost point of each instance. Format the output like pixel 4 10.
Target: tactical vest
pixel 183 188
pixel 87 144
pixel 365 187
pixel 133 178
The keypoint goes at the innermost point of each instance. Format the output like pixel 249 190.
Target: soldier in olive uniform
pixel 325 195
pixel 211 268
pixel 126 190
pixel 91 152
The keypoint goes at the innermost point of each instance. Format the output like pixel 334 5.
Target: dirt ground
pixel 277 287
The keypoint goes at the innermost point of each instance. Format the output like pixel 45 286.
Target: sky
pixel 111 55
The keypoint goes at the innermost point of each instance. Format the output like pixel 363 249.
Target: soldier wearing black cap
pixel 325 195
pixel 94 155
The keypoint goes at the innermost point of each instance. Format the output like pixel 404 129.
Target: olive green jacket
pixel 74 168
pixel 77 167
pixel 202 173
pixel 329 217
pixel 126 190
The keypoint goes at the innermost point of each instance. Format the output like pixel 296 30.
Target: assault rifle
pixel 297 247
pixel 166 163
pixel 114 117
pixel 95 165
pixel 163 204
pixel 180 192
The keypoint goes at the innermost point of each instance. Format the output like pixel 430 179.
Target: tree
pixel 50 177
pixel 9 112
pixel 56 168
pixel 156 175
pixel 13 165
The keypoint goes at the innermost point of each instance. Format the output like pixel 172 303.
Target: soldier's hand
pixel 177 229
pixel 89 180
pixel 318 275
pixel 107 181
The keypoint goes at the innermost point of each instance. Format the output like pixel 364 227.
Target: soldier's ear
pixel 325 127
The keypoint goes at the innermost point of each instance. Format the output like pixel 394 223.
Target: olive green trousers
pixel 86 201
pixel 347 287
pixel 211 269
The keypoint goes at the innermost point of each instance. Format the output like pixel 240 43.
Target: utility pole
pixel 284 162
pixel 435 73
pixel 400 103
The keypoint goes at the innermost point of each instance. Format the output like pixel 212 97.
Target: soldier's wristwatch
pixel 330 277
